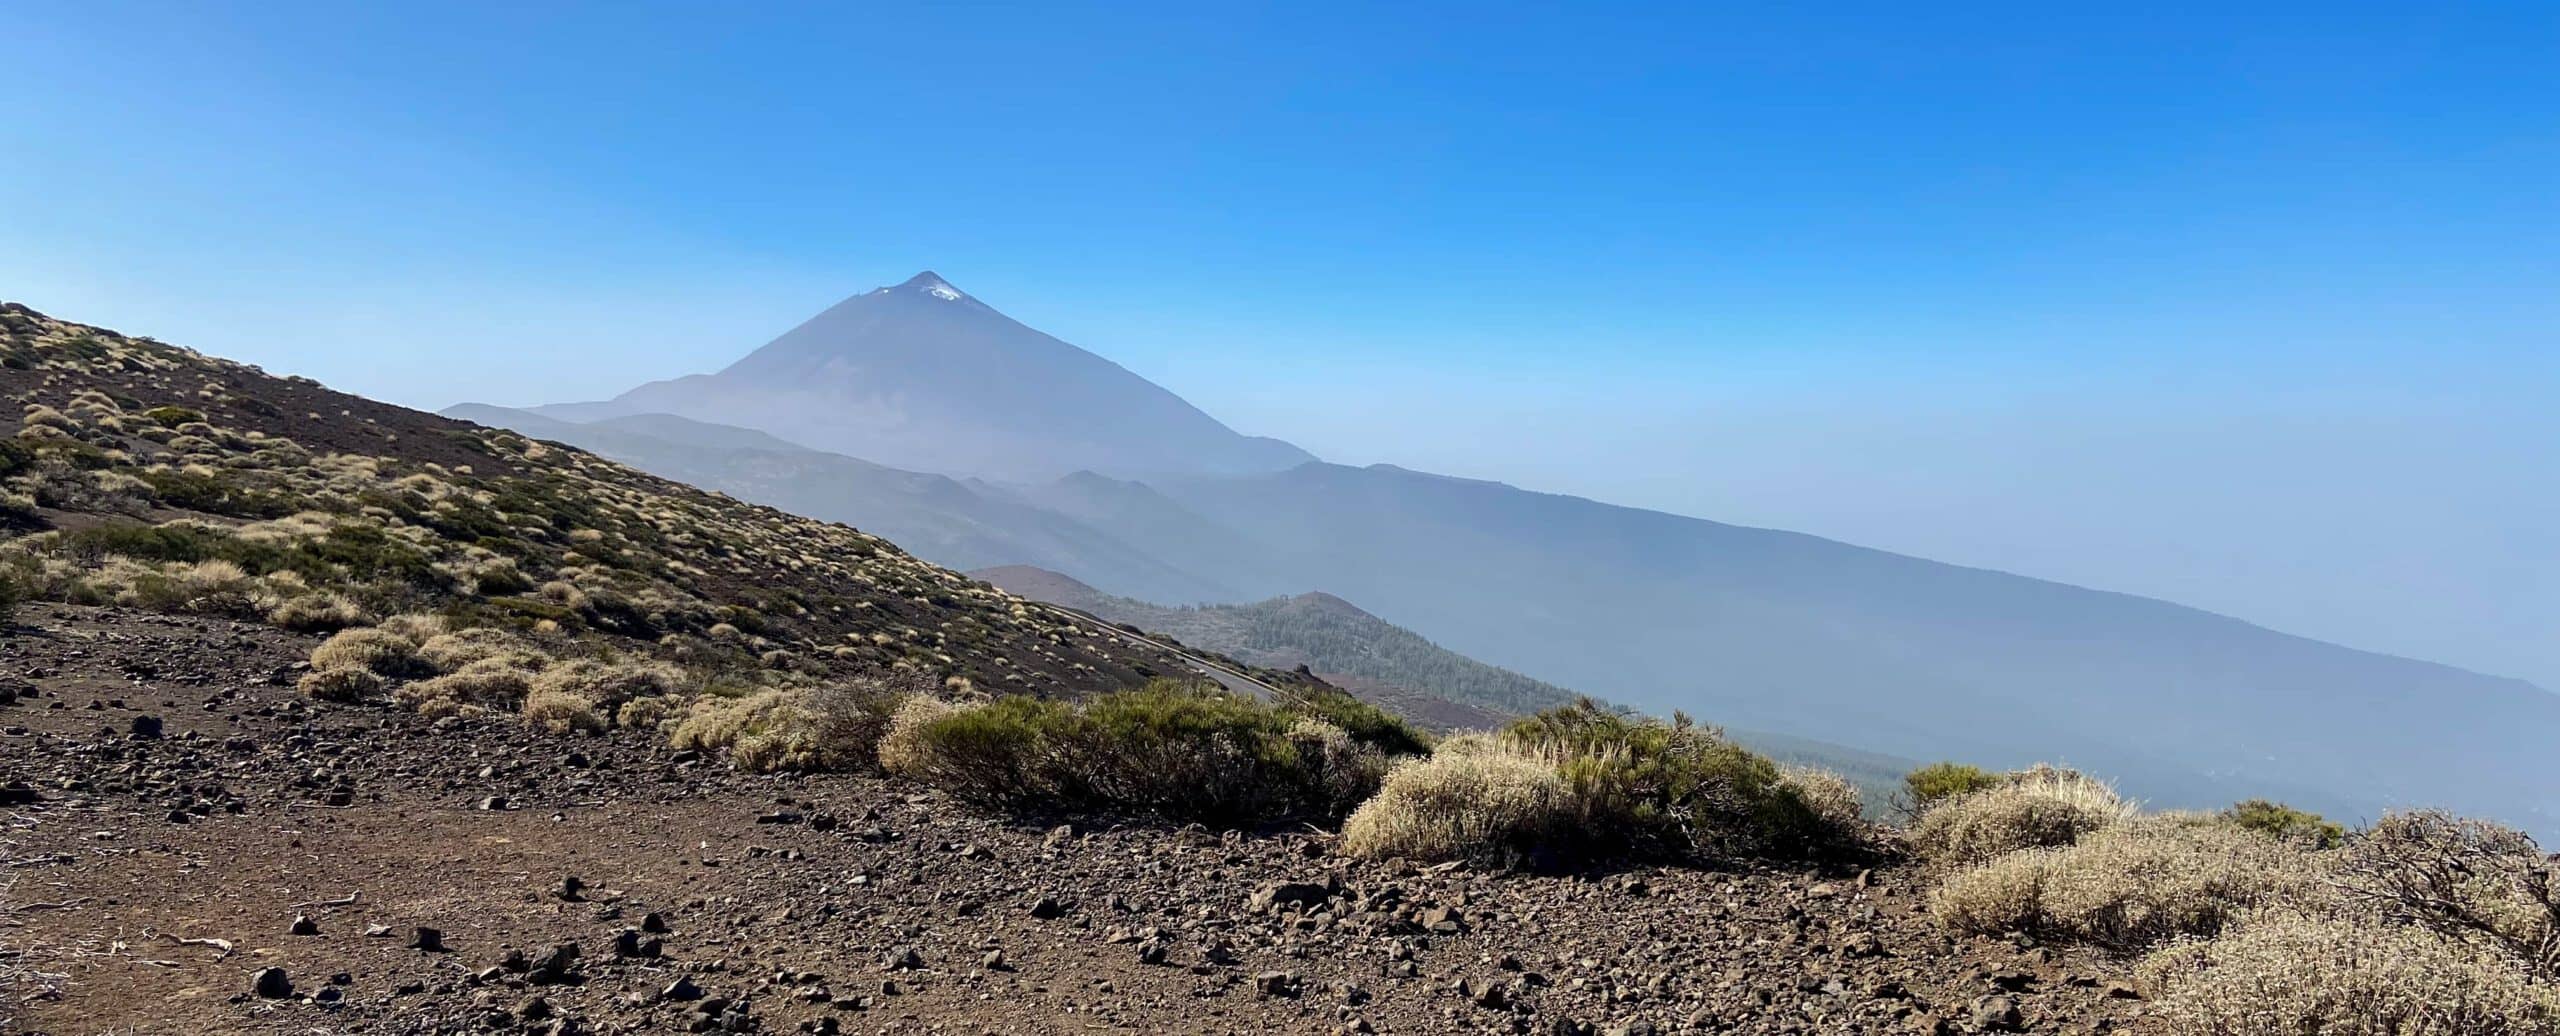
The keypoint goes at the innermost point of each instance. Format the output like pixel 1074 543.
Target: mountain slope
pixel 921 376
pixel 942 520
pixel 1780 631
pixel 1333 637
pixel 149 476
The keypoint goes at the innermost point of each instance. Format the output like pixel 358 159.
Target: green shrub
pixel 1366 723
pixel 15 456
pixel 1663 789
pixel 173 416
pixel 1937 782
pixel 1167 749
pixel 1582 782
pixel 2285 823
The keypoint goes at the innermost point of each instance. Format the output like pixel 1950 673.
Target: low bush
pixel 2129 886
pixel 559 712
pixel 606 685
pixel 1937 782
pixel 1365 723
pixel 173 416
pixel 1831 803
pixel 1167 749
pixel 448 652
pixel 1606 785
pixel 1469 800
pixel 316 613
pixel 2039 807
pixel 2285 823
pixel 904 749
pixel 764 731
pixel 376 650
pixel 2289 975
pixel 345 684
pixel 486 685
pixel 2470 881
pixel 644 713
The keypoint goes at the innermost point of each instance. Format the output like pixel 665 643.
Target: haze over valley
pixel 1764 630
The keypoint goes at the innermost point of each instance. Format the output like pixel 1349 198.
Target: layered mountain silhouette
pixel 1061 460
pixel 921 376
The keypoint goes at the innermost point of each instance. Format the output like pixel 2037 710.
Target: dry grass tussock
pixel 2131 885
pixel 2034 808
pixel 1474 800
pixel 837 726
pixel 2289 974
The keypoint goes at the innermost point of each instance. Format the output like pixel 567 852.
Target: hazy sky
pixel 2256 313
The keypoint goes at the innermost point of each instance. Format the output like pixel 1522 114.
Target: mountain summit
pixel 922 375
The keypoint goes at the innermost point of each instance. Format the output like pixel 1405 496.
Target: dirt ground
pixel 174 808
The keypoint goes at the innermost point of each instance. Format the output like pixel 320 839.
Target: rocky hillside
pixel 148 475
pixel 1333 637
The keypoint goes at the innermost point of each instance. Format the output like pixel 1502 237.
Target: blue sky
pixel 2258 312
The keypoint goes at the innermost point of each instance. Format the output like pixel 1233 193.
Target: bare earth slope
pixel 792 900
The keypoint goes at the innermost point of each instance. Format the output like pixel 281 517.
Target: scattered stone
pixel 1286 893
pixel 1997 1014
pixel 271 984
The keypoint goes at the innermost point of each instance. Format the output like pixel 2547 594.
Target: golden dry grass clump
pixel 764 731
pixel 346 684
pixel 317 613
pixel 2034 808
pixel 2130 885
pixel 904 749
pixel 381 651
pixel 2290 974
pixel 1832 800
pixel 1471 798
pixel 477 688
pixel 448 652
